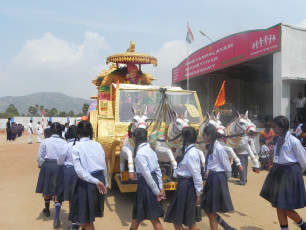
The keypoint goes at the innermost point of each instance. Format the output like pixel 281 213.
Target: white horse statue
pixel 215 121
pixel 128 144
pixel 169 143
pixel 241 126
pixel 168 146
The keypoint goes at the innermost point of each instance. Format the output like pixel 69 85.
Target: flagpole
pixel 187 61
pixel 187 66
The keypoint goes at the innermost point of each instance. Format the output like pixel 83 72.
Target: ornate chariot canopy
pixel 130 56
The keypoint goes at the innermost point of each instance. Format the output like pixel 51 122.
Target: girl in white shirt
pixel 89 163
pixel 184 208
pixel 284 186
pixel 48 153
pixel 150 186
pixel 68 178
pixel 216 196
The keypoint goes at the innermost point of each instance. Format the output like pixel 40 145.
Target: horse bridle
pixel 173 139
pixel 240 134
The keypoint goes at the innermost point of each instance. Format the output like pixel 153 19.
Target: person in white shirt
pixel 243 156
pixel 216 196
pixel 67 176
pixel 298 129
pixel 30 132
pixel 65 130
pixel 39 132
pixel 263 155
pixel 150 190
pixel 284 186
pixel 184 208
pixel 89 164
pixel 299 104
pixel 48 153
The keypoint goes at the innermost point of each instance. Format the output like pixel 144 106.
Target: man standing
pixel 299 104
pixel 39 132
pixel 243 175
pixel 8 129
pixel 30 132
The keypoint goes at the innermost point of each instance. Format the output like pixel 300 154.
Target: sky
pixel 61 46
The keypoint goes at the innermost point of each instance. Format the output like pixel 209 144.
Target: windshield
pixel 140 99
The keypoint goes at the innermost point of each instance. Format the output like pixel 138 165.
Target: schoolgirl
pixel 284 186
pixel 48 153
pixel 150 187
pixel 184 206
pixel 89 193
pixel 216 196
pixel 68 177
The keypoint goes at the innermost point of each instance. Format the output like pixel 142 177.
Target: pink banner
pixel 229 51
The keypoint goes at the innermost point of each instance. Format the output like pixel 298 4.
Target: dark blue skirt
pixel 67 180
pixel 87 202
pixel 146 206
pixel 284 187
pixel 216 196
pixel 47 178
pixel 182 209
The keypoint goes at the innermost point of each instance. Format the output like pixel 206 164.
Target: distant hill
pixel 60 101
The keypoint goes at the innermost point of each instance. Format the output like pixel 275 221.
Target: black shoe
pixel 46 212
pixel 56 223
pixel 239 183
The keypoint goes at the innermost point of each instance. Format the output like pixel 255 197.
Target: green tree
pixel 12 110
pixel 32 110
pixel 52 112
pixel 42 108
pixel 85 108
pixel 62 114
pixel 47 112
pixel 37 107
pixel 71 113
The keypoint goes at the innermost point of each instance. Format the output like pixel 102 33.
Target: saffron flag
pixel 189 37
pixel 221 96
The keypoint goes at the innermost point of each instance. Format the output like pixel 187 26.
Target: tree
pixel 42 108
pixel 37 107
pixel 85 108
pixel 71 113
pixel 62 114
pixel 12 110
pixel 32 110
pixel 52 112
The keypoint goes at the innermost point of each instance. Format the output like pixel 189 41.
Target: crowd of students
pixel 13 130
pixel 74 170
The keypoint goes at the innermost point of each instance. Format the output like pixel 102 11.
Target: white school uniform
pixel 30 132
pixel 88 157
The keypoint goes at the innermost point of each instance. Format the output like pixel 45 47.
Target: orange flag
pixel 221 96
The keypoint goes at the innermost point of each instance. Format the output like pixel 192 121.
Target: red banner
pixel 229 51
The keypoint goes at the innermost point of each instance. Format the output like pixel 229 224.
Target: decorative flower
pixel 130 130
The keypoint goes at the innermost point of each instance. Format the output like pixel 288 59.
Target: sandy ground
pixel 21 207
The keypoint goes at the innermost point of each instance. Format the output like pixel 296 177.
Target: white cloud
pixel 302 24
pixel 169 56
pixel 52 64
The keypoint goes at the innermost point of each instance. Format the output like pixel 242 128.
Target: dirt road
pixel 21 207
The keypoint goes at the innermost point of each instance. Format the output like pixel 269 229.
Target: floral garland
pixel 166 133
pixel 130 130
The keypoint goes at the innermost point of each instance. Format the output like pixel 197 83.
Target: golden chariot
pixel 113 113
